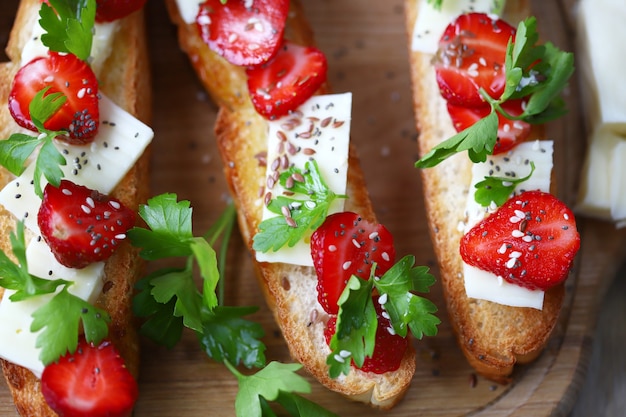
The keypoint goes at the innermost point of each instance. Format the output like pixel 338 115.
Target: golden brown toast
pixel 126 80
pixel 290 290
pixel 492 336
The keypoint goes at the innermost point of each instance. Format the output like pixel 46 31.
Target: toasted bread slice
pixel 289 290
pixel 126 80
pixel 492 336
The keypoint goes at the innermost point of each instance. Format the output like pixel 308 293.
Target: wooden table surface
pixel 583 371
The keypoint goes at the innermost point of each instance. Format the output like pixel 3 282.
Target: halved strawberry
pixel 510 132
pixel 64 73
pixel 110 10
pixel 471 55
pixel 389 348
pixel 530 241
pixel 81 225
pixel 287 80
pixel 244 33
pixel 346 245
pixel 91 382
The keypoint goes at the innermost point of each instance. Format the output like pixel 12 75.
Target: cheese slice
pixel 319 130
pixel 18 342
pixel 485 285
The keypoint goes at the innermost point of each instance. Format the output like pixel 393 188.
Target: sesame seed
pixel 356 244
pixel 517 233
pixel 346 265
pixel 511 263
pixel 345 353
pixel 115 204
pixel 382 300
pixel 332 248
pixel 86 209
pixel 385 256
pixel 338 358
pixel 373 235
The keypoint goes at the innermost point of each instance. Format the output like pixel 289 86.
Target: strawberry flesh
pixel 81 225
pixel 245 35
pixel 510 132
pixel 64 73
pixel 531 241
pixel 389 348
pixel 346 245
pixel 110 10
pixel 287 80
pixel 471 56
pixel 93 381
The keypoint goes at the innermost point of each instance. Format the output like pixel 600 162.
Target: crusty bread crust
pixel 126 80
pixel 492 336
pixel 289 289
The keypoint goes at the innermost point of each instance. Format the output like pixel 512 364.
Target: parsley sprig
pixel 354 338
pixel 18 148
pixel 60 318
pixel 539 72
pixel 170 300
pixel 308 213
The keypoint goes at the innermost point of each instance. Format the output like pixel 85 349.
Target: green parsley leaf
pixel 60 318
pixel 298 406
pixel 436 4
pixel 178 284
pixel 537 72
pixel 268 383
pixel 355 334
pixel 226 336
pixel 478 139
pixel 162 325
pixel 68 26
pixel 308 213
pixel 404 307
pixel 498 189
pixel 16 277
pixel 170 233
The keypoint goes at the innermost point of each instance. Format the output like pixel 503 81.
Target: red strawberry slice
pixel 81 225
pixel 389 348
pixel 110 10
pixel 471 55
pixel 530 241
pixel 64 73
pixel 510 132
pixel 244 33
pixel 346 245
pixel 91 382
pixel 287 80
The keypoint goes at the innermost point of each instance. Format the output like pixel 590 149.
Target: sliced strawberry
pixel 389 348
pixel 287 80
pixel 346 245
pixel 81 225
pixel 91 382
pixel 110 10
pixel 530 241
pixel 244 33
pixel 64 73
pixel 510 132
pixel 471 55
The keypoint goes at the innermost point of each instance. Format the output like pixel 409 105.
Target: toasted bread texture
pixel 492 336
pixel 126 80
pixel 290 290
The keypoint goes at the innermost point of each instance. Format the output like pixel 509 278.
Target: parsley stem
pixel 222 227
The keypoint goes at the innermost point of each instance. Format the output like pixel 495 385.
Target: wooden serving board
pixel 366 45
